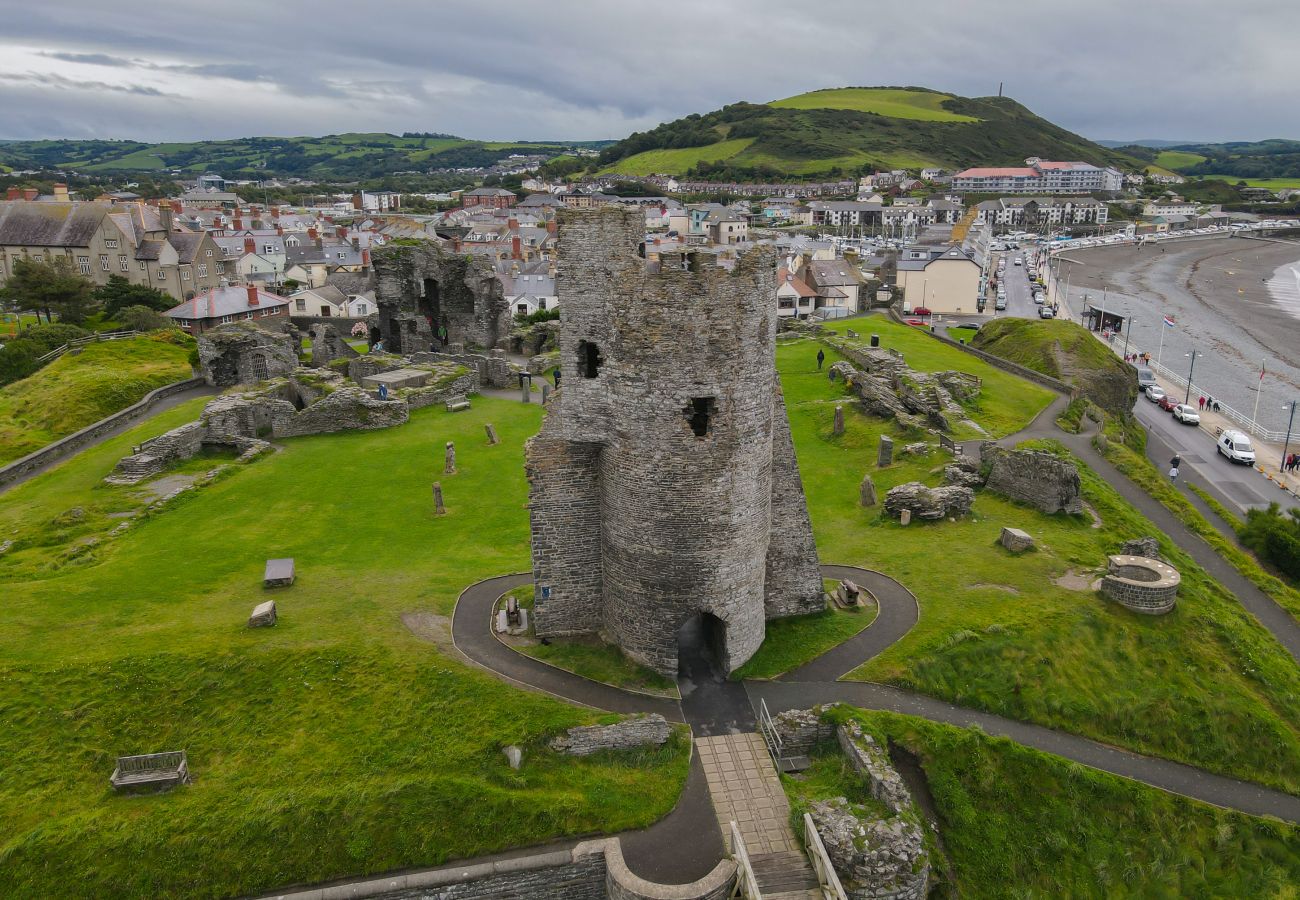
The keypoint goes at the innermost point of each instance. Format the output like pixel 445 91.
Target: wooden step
pixel 794 763
pixel 783 872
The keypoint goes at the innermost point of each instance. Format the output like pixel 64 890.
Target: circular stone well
pixel 1141 584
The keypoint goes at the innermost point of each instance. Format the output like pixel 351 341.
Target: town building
pixel 1040 176
pixel 1021 212
pixel 499 198
pixel 940 279
pixel 223 305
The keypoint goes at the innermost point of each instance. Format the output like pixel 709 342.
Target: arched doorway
pixel 702 647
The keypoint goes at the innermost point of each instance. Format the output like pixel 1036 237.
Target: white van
pixel 1236 446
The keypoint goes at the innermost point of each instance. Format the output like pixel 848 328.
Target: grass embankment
pixel 670 161
pixel 75 391
pixel 792 642
pixel 589 656
pixel 1144 474
pixel 1017 822
pixel 1172 160
pixel 349 738
pixel 1042 344
pixel 1205 684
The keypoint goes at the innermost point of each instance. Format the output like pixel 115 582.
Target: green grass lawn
pixel 1019 823
pixel 678 161
pixel 77 390
pixel 1172 160
pixel 792 642
pixel 343 739
pixel 592 658
pixel 892 102
pixel 1273 184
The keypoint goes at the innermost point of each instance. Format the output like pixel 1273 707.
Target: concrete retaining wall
pixel 91 434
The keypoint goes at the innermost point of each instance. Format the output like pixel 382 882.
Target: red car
pixel 915 322
pixel 1167 403
pixel 921 311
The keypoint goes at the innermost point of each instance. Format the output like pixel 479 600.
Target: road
pixel 1237 486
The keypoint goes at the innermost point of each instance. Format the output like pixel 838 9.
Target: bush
pixel 142 318
pixel 542 315
pixel 18 360
pixel 1275 537
pixel 47 337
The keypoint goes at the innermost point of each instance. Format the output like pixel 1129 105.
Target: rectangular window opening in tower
pixel 700 413
pixel 589 360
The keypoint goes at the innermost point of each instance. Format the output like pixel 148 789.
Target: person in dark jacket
pixel 821 358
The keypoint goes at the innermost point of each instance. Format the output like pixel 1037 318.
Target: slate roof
pixel 224 301
pixel 49 224
pixel 186 245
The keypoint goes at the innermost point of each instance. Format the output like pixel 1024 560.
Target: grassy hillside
pixel 353 155
pixel 74 391
pixel 1177 159
pixel 1019 823
pixel 843 131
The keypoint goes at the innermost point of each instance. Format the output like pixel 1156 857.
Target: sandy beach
pixel 1235 300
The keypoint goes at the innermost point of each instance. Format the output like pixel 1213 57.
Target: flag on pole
pixel 1169 320
pixel 1261 371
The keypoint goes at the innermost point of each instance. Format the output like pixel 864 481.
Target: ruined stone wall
pixel 419 288
pixel 244 353
pixel 564 515
pixel 631 734
pixel 793 580
pixel 1033 477
pixel 346 409
pixel 418 398
pixel 672 373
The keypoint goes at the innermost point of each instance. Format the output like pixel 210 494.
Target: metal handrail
pixel 821 862
pixel 771 738
pixel 746 881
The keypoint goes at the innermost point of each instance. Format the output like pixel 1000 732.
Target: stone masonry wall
pixel 632 734
pixel 417 289
pixel 344 409
pixel 564 515
pixel 1033 477
pixel 685 516
pixel 793 578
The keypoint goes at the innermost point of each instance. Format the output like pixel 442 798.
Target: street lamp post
pixel 1287 444
pixel 1187 400
pixel 1128 326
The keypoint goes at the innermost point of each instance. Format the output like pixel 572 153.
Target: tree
pixel 142 318
pixel 52 286
pixel 119 293
pixel 18 360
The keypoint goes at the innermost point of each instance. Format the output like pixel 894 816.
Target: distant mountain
pixel 844 131
pixel 337 156
pixel 1146 142
pixel 1277 158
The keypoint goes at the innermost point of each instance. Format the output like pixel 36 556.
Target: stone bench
pixel 150 772
pixel 457 403
pixel 1143 585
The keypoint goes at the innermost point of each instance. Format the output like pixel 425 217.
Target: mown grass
pixel 791 642
pixel 892 102
pixel 337 743
pixel 678 161
pixel 592 658
pixel 1206 684
pixel 75 391
pixel 1016 822
pixel 1173 160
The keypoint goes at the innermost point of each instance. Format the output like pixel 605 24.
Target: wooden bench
pixel 457 403
pixel 151 772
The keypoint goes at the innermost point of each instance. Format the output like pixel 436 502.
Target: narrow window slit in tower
pixel 698 413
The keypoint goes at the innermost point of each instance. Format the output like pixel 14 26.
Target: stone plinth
pixel 397 378
pixel 1015 540
pixel 279 573
pixel 263 615
pixel 1141 584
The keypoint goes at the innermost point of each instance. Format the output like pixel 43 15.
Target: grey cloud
pixel 58 82
pixel 1112 69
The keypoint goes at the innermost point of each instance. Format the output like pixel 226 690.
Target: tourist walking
pixel 821 358
pixel 556 376
pixel 1202 402
pixel 442 334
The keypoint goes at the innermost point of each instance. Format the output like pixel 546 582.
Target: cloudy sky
pixel 587 69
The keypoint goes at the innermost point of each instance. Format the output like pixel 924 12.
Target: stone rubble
pixel 632 734
pixel 1015 540
pixel 929 503
pixel 1033 477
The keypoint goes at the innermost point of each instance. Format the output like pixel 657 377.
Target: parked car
pixel 1155 392
pixel 914 322
pixel 1187 414
pixel 973 326
pixel 1018 261
pixel 1236 446
pixel 921 311
pixel 1167 403
pixel 1002 302
pixel 1046 312
pixel 1146 378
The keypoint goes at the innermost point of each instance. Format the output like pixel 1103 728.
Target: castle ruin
pixel 419 288
pixel 663 486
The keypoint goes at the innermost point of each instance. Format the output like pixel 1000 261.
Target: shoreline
pixel 1218 291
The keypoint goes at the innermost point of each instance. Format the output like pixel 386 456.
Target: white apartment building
pixel 1039 176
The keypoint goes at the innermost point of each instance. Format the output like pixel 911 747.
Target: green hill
pixel 74 391
pixel 843 131
pixel 368 155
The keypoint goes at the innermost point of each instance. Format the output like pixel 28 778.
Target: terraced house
pixel 142 244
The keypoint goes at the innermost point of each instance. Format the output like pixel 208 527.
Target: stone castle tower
pixel 663 484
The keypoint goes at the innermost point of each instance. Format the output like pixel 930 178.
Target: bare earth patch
pixel 1075 581
pixel 430 627
pixel 167 485
pixel 1096 519
pixel 997 587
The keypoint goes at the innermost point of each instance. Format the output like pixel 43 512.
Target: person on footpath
pixel 1202 402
